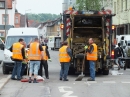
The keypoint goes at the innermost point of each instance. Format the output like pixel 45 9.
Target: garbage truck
pixel 79 26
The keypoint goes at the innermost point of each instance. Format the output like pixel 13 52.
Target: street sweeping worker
pixel 44 62
pixel 65 56
pixel 18 56
pixel 35 55
pixel 25 62
pixel 92 57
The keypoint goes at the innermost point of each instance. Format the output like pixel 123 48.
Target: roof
pixel 35 24
pixel 51 23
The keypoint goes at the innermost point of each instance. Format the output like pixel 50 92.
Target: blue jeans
pixel 64 70
pixel 34 66
pixel 92 69
pixel 17 69
pixel 23 69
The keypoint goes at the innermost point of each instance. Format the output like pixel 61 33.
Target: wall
pixel 17 16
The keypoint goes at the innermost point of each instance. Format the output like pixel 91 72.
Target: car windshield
pixel 12 39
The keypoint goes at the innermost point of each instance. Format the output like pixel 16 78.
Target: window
pixel 70 2
pixel 115 7
pixel 2 4
pixel 5 18
pixel 58 28
pixel 16 20
pixel 125 4
pixel 121 5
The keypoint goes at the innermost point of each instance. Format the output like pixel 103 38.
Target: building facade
pixel 122 20
pixel 9 14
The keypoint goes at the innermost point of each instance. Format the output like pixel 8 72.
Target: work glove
pixel 49 60
pixel 86 47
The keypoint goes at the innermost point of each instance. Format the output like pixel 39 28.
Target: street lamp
pixel 25 15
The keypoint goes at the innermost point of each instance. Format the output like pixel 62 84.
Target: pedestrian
pixel 92 57
pixel 44 62
pixel 35 55
pixel 118 53
pixel 65 56
pixel 25 62
pixel 18 56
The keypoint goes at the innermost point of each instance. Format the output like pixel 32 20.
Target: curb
pixel 3 81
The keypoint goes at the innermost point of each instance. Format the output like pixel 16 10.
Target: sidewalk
pixel 3 79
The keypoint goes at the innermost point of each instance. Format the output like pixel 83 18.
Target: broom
pixel 80 77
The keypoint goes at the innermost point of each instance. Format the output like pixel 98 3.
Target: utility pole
pixel 5 16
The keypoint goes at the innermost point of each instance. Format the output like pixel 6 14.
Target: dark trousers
pixel 45 65
pixel 17 69
pixel 23 69
pixel 64 70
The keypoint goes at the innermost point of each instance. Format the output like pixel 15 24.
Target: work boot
pixel 90 79
pixel 35 81
pixel 65 80
pixel 118 67
pixel 60 78
pixel 13 78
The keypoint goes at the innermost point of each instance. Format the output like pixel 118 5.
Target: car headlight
pixel 6 57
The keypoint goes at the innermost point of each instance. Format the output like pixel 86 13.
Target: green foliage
pixel 88 4
pixel 42 17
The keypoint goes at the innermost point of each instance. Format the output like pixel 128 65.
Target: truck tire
pixel 106 72
pixel 5 70
pixel 71 71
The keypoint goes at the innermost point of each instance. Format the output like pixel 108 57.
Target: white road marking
pixel 67 93
pixel 109 82
pixel 92 82
pixel 125 82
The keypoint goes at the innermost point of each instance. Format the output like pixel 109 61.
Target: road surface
pixel 104 86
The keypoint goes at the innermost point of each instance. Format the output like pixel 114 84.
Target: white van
pixel 14 34
pixel 54 42
pixel 1 50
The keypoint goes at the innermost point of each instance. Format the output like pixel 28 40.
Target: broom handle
pixel 83 61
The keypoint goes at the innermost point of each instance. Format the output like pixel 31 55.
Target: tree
pixel 42 17
pixel 88 4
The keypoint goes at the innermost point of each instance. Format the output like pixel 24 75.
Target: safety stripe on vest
pixel 63 53
pixel 65 57
pixel 36 51
pixel 92 57
pixel 18 50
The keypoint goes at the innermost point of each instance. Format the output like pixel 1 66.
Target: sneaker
pixel 65 80
pixel 90 79
pixel 13 78
pixel 47 77
pixel 30 80
pixel 35 81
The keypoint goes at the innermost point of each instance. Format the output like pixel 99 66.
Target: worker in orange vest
pixel 35 55
pixel 65 56
pixel 92 57
pixel 18 56
pixel 44 62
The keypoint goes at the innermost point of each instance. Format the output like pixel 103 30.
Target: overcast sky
pixel 39 6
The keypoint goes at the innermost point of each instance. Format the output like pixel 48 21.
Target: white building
pixel 122 19
pixel 10 5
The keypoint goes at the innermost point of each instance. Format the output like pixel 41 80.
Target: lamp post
pixel 5 16
pixel 25 15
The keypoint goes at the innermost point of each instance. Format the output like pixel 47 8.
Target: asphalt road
pixel 104 86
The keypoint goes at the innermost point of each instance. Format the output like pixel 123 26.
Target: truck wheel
pixel 105 72
pixel 5 71
pixel 71 71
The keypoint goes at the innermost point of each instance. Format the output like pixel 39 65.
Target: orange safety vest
pixel 17 54
pixel 44 53
pixel 63 55
pixel 34 52
pixel 93 55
